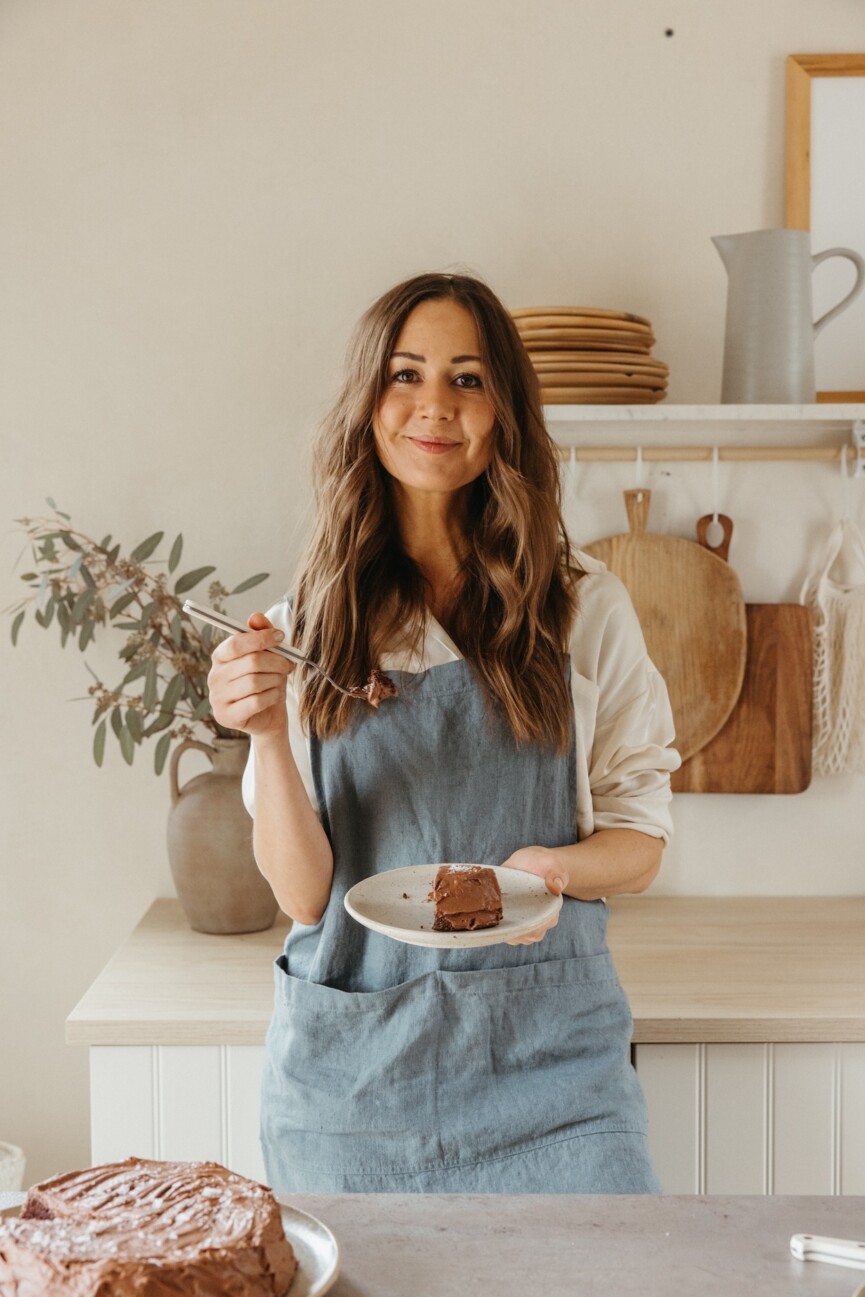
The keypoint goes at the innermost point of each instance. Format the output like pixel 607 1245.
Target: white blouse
pixel 624 724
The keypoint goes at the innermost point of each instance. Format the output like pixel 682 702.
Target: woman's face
pixel 433 428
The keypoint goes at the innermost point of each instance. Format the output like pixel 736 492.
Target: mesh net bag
pixel 838 607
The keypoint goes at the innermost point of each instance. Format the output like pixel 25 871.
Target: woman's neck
pixel 434 530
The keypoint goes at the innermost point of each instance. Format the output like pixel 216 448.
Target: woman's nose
pixel 437 401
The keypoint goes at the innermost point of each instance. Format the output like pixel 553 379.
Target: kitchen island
pixel 749 1039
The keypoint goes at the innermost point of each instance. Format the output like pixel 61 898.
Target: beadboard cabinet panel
pixel 670 1076
pixel 762 1118
pixel 183 1102
pixel 852 1106
pixel 734 1119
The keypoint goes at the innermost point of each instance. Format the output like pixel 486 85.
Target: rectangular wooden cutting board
pixel 765 745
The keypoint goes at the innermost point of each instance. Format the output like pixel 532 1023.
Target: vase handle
pixel 175 761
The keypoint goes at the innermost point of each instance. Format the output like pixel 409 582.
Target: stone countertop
pixel 464 1245
pixel 732 969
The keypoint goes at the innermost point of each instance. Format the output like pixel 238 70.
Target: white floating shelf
pixel 834 416
pixel 818 432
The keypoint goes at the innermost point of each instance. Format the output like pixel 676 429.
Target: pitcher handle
pixel 175 759
pixel 859 263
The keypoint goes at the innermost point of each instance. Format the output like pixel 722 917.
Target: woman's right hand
pixel 247 684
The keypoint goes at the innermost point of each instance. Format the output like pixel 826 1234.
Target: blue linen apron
pixel 399 1068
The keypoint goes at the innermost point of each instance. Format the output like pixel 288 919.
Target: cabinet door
pixel 178 1102
pixel 755 1118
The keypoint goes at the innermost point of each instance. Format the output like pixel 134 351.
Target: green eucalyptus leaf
pixel 87 633
pixel 86 577
pixel 16 626
pixel 134 725
pixel 127 745
pixel 161 753
pixel 147 612
pixel 112 557
pixel 99 743
pixel 176 630
pixel 30 576
pixel 75 568
pixel 123 602
pixel 105 542
pixel 186 582
pixel 69 540
pixel 202 710
pixel 173 693
pixel 250 582
pixel 49 500
pixel 150 697
pixel 128 625
pixel 146 548
pixel 134 673
pixel 82 603
pixel 176 551
pixel 162 722
pixel 116 720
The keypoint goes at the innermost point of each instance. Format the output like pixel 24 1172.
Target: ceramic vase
pixel 219 885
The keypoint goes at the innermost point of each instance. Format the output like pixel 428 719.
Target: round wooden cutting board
pixel 693 617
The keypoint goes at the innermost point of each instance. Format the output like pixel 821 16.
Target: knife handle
pixel 839 1251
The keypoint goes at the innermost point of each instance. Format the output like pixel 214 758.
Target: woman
pixel 530 730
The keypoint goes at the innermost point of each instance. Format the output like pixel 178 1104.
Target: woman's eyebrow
pixel 455 360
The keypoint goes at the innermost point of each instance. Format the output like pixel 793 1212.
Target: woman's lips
pixel 432 445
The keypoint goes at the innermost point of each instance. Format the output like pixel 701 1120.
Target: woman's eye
pixel 401 375
pixel 475 379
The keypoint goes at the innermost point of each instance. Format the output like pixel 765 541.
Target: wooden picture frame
pixel 801 69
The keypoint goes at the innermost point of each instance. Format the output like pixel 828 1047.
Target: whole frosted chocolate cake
pixel 466 897
pixel 150 1229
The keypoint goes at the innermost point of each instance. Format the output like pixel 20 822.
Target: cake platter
pixel 395 904
pixel 316 1249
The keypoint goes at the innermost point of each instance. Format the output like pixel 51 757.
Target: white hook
pixel 640 474
pixel 845 483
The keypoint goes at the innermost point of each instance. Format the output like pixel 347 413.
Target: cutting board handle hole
pixel 715 536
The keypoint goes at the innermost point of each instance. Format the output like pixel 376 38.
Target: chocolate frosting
pixel 466 897
pixel 147 1228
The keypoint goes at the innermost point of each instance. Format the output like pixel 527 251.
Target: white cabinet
pixel 756 1118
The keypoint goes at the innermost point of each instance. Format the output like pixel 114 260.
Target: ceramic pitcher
pixel 218 883
pixel 770 331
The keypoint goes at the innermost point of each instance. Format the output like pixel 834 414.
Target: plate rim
pixel 329 1279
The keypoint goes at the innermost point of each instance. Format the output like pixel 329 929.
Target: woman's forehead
pixel 439 324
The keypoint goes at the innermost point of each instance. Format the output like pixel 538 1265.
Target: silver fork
pixel 231 627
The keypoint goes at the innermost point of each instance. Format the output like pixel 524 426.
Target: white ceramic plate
pixel 395 904
pixel 316 1249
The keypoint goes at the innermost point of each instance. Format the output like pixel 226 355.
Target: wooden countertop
pixel 513 1245
pixel 695 969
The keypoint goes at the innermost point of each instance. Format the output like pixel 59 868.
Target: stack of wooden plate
pixel 587 356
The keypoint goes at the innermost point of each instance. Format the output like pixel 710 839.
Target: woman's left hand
pixel 544 863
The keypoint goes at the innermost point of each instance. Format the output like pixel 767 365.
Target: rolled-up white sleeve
pixel 280 615
pixel 627 737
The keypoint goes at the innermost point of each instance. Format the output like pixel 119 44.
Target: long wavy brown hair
pixel 357 592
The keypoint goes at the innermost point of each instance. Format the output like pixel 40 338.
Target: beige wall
pixel 198 200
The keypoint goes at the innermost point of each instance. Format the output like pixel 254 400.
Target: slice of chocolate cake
pixel 466 897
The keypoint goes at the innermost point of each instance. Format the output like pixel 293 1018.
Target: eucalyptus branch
pixel 87 585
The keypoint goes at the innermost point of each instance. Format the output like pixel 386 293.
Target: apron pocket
pixel 448 1069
